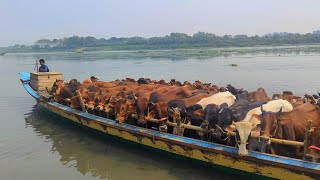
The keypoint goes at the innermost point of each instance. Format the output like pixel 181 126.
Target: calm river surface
pixel 33 145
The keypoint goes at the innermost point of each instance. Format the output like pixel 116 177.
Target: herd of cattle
pixel 217 111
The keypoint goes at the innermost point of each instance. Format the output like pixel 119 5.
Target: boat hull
pixel 224 156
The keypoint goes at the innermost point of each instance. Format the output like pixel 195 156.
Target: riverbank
pixel 196 53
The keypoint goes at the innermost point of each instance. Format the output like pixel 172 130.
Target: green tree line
pixel 174 40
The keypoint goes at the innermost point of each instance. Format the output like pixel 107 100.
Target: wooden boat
pixel 225 157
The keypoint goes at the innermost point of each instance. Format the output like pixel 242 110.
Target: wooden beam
pixel 197 128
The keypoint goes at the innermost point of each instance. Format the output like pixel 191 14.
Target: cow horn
pixel 262 109
pixel 219 128
pixel 152 103
pixel 233 126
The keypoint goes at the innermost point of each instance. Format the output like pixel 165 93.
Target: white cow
pixel 250 122
pixel 218 99
pixel 271 106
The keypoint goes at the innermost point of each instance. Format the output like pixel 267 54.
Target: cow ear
pixel 254 125
pixel 279 112
pixel 151 114
pixel 171 112
pixel 231 128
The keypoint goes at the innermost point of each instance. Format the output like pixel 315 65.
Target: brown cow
pixel 63 92
pixel 260 94
pixel 158 111
pixel 314 148
pixel 184 103
pixel 142 110
pixel 75 103
pixel 176 93
pixel 288 95
pixel 120 109
pixel 289 125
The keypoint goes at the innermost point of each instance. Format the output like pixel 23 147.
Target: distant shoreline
pixel 194 53
pixel 262 48
pixel 199 40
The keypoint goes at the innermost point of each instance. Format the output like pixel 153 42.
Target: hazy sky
pixel 25 21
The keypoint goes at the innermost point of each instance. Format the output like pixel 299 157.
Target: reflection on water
pixel 106 157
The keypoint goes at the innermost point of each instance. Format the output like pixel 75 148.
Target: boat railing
pixel 305 144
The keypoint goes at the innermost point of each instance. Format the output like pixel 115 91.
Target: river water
pixel 34 145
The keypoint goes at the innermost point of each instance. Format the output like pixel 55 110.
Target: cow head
pixel 223 89
pixel 102 100
pixel 163 82
pixel 142 110
pixel 56 87
pixel 131 108
pixel 198 85
pixel 277 96
pixel 75 103
pixel 161 113
pixel 310 99
pixel 224 120
pixel 74 84
pixel 314 148
pixel 110 107
pixel 214 89
pixel 121 110
pixel 269 127
pixel 210 112
pixel 243 135
pixel 232 89
pixel 187 83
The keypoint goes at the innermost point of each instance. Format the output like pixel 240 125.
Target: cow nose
pixel 215 135
pixel 265 139
pixel 140 122
pixel 243 154
pixel 309 157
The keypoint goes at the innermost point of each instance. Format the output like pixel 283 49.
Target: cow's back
pixel 300 117
pixel 218 99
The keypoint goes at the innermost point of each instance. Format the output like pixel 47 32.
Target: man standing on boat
pixel 90 80
pixel 43 67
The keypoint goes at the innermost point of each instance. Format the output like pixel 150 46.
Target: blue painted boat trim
pixel 25 79
pixel 257 155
